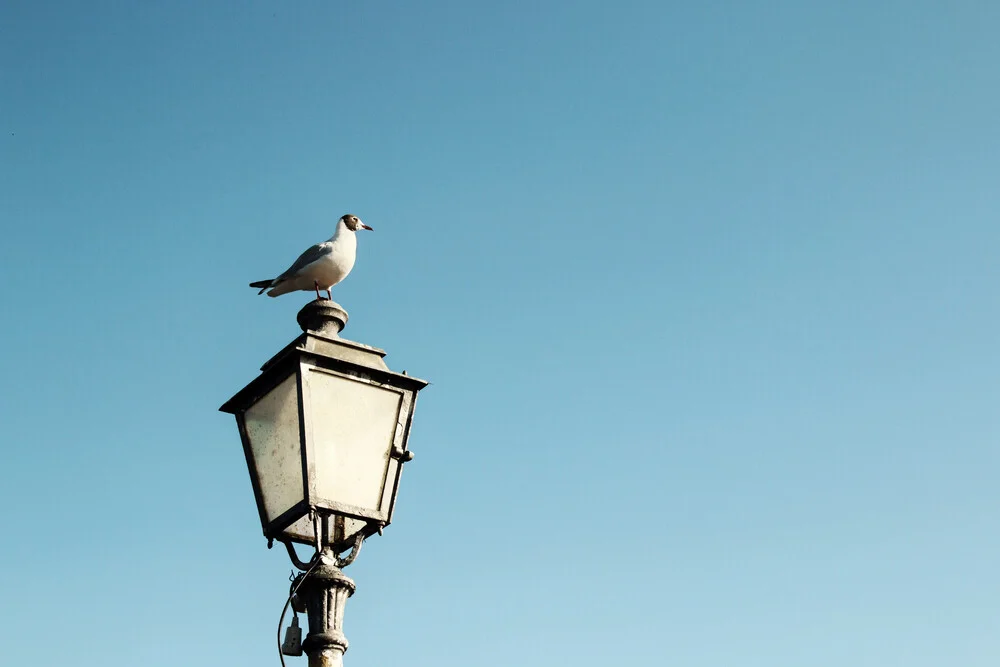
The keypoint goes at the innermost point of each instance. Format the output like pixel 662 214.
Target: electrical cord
pixel 284 610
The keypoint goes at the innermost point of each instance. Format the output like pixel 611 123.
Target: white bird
pixel 321 266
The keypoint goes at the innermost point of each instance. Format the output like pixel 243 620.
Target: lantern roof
pixel 321 322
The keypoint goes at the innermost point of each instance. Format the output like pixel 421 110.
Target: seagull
pixel 321 266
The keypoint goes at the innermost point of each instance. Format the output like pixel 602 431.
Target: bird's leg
pixel 316 286
pixel 329 293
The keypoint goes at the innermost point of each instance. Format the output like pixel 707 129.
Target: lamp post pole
pixel 325 591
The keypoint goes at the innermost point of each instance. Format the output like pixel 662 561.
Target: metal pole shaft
pixel 325 592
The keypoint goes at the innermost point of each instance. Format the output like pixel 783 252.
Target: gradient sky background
pixel 707 292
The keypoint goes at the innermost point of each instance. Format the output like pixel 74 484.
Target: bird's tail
pixel 262 284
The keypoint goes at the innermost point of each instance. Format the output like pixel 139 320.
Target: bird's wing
pixel 304 260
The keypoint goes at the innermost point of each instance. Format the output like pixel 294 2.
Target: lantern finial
pixel 324 317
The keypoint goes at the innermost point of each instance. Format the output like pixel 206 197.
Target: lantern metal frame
pixel 320 350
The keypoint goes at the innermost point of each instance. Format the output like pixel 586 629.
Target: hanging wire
pixel 284 610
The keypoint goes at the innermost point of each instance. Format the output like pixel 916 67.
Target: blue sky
pixel 707 292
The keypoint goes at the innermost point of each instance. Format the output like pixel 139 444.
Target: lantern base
pixel 323 317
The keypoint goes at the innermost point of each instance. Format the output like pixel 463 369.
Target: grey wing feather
pixel 305 259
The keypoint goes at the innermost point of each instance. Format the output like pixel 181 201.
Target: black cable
pixel 284 610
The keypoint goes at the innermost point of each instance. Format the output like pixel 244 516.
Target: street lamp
pixel 324 430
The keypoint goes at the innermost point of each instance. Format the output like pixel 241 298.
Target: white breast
pixel 335 266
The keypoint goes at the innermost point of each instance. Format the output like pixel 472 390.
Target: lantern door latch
pixel 402 455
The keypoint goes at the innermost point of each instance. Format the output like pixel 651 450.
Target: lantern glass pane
pixel 301 530
pixel 353 426
pixel 272 425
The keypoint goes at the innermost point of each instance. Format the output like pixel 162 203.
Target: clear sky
pixel 707 292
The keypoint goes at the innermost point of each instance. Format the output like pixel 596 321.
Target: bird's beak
pixel 364 226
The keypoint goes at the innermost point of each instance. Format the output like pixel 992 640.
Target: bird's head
pixel 354 223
